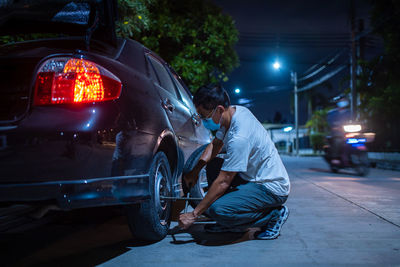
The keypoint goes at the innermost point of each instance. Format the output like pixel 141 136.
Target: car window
pixel 152 73
pixel 185 95
pixel 163 76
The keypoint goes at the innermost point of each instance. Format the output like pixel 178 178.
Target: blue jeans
pixel 245 204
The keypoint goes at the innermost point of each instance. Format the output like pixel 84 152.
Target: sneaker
pixel 274 226
pixel 218 228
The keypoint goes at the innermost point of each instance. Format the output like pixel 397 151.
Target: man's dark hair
pixel 211 96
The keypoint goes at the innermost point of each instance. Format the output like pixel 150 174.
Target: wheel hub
pixel 162 189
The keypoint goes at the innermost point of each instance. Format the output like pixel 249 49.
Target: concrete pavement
pixel 342 219
pixel 335 220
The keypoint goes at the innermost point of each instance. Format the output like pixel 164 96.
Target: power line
pixel 325 59
pixel 302 39
pixel 322 79
pixel 324 66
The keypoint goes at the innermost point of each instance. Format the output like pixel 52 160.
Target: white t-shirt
pixel 251 152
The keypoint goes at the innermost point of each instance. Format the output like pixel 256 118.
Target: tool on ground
pixel 177 229
pixel 181 198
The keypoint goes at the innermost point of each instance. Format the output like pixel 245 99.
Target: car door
pixel 202 134
pixel 179 115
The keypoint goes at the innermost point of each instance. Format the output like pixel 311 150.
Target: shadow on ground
pixel 85 237
pixel 201 237
pixel 91 237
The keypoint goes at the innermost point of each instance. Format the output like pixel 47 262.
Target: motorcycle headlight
pixel 351 128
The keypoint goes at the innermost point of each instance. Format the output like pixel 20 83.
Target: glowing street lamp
pixel 293 75
pixel 276 65
pixel 237 91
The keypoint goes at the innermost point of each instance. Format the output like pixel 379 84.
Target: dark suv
pixel 88 119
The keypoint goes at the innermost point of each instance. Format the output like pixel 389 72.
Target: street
pixel 335 220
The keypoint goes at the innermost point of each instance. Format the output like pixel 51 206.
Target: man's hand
pixel 186 220
pixel 191 178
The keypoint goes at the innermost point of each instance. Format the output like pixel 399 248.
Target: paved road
pixel 335 220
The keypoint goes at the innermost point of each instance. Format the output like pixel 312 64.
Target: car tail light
pixel 73 80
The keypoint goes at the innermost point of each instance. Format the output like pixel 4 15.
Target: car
pixel 88 119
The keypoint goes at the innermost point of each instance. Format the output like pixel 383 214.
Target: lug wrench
pixel 184 211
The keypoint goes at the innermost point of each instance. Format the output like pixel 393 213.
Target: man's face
pixel 204 113
pixel 214 114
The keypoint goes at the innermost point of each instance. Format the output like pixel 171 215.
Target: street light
pixel 293 75
pixel 276 65
pixel 237 91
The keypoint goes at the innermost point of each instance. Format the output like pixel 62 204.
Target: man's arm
pixel 217 189
pixel 209 153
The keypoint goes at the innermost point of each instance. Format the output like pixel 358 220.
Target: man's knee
pixel 219 211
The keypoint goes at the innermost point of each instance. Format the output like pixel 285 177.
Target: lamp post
pixel 293 74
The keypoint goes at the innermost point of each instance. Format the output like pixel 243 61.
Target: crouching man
pixel 250 185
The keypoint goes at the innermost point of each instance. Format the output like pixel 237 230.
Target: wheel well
pixel 168 146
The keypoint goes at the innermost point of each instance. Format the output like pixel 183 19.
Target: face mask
pixel 211 125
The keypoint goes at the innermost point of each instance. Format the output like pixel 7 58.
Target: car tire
pixel 150 220
pixel 199 190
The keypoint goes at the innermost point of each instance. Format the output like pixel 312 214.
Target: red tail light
pixel 72 80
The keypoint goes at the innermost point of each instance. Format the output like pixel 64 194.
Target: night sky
pixel 299 34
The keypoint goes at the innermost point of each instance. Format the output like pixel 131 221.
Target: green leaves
pixel 318 122
pixel 133 17
pixel 193 36
pixel 379 83
pixel 318 128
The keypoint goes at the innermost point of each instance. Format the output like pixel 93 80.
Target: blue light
pixel 237 90
pixel 276 65
pixel 356 140
pixel 287 129
pixel 352 141
pixel 358 145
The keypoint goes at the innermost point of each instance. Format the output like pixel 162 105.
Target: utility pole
pixel 353 62
pixel 296 111
pixel 361 42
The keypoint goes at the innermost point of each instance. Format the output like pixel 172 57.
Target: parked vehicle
pixel 349 150
pixel 88 119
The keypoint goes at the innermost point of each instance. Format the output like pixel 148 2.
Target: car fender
pixel 168 143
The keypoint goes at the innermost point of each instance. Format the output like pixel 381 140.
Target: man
pixel 252 183
pixel 336 118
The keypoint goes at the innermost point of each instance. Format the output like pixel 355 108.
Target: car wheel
pixel 199 190
pixel 150 220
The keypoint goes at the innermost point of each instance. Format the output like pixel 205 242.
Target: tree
pixel 380 80
pixel 195 37
pixel 133 17
pixel 318 128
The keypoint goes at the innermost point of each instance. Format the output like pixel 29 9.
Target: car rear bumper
pixel 73 194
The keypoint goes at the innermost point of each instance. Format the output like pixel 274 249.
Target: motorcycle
pixel 348 149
